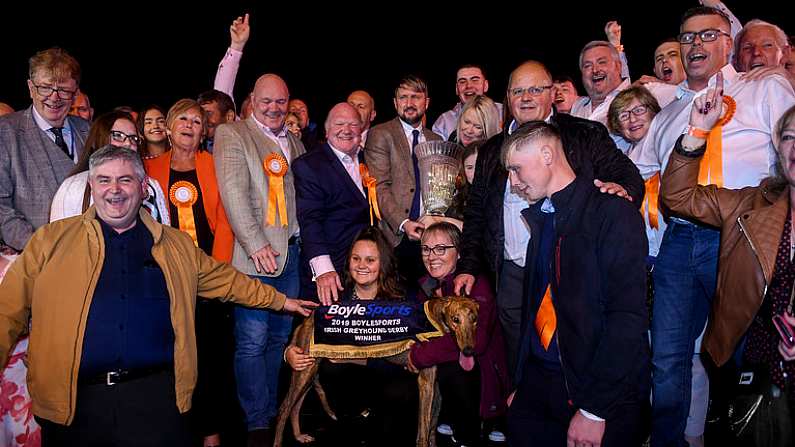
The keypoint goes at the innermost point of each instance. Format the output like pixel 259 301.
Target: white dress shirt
pixel 748 152
pixel 583 107
pixel 322 263
pixel 68 134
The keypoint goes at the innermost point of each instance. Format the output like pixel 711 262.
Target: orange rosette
pixel 710 170
pixel 369 182
pixel 183 195
pixel 276 168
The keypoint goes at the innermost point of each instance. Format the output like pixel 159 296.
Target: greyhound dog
pixel 456 315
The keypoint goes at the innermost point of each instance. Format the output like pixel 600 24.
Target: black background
pixel 135 53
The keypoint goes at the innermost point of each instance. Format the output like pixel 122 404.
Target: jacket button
pixel 745 216
pixel 407 210
pixel 411 190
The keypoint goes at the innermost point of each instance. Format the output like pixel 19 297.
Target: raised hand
pixel 708 107
pixel 613 33
pixel 239 32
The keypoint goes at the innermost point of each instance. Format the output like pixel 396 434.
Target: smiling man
pixel 390 157
pixel 470 81
pixel 685 269
pixel 119 352
pixel 39 146
pixel 332 202
pixel 762 49
pixel 600 66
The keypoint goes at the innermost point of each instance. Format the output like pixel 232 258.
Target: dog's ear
pixel 437 308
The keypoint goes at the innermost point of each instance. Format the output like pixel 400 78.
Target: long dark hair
pixel 144 149
pixel 388 286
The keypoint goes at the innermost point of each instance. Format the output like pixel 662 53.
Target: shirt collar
pixel 408 128
pixel 514 125
pixel 342 155
pixel 45 126
pixel 730 76
pixel 280 134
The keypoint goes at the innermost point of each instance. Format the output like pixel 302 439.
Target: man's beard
pixel 411 121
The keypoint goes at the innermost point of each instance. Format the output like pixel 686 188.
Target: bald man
pixel 331 202
pixel 365 106
pixel 266 245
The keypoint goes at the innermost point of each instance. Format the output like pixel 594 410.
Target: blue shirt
pixel 129 322
pixel 543 271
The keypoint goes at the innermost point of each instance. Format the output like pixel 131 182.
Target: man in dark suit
pixel 584 370
pixel 495 237
pixel 331 203
pixel 39 146
pixel 390 157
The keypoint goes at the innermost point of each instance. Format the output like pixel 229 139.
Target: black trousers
pixel 138 413
pixel 460 392
pixel 540 414
pixel 510 293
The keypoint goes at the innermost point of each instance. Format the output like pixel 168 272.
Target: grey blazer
pixel 32 168
pixel 239 150
pixel 388 158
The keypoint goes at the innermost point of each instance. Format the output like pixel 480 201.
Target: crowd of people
pixel 630 251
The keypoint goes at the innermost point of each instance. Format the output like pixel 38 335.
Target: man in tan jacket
pixel 112 358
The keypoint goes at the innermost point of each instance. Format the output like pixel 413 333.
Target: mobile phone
pixel 785 331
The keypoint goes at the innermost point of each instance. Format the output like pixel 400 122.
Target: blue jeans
pixel 684 281
pixel 260 337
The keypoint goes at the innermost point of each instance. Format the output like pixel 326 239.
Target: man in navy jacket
pixel 331 203
pixel 583 372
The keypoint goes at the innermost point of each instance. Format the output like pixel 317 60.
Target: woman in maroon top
pixel 472 388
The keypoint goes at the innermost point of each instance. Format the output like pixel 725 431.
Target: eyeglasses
pixel 46 91
pixel 637 111
pixel 706 35
pixel 438 250
pixel 534 91
pixel 121 137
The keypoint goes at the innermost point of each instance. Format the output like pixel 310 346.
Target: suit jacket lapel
pixel 341 172
pixel 264 145
pixel 42 151
pixel 403 148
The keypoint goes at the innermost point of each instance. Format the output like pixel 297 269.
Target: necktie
pixel 58 132
pixel 546 320
pixel 415 202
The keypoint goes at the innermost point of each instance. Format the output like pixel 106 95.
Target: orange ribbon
pixel 183 195
pixel 276 168
pixel 650 200
pixel 546 319
pixel 711 168
pixel 369 182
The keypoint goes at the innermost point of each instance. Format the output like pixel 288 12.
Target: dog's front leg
pixel 426 381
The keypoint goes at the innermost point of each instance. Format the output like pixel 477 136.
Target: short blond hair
pixel 183 105
pixel 488 115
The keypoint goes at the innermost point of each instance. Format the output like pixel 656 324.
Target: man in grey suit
pixel 39 146
pixel 252 159
pixel 391 160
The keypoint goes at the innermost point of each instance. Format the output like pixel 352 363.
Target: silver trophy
pixel 440 165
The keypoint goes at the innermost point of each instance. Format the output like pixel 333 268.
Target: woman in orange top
pixel 187 174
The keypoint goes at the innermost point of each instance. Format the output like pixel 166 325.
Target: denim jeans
pixel 260 337
pixel 684 280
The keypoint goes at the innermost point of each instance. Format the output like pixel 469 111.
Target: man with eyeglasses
pixel 470 81
pixel 742 154
pixel 39 146
pixel 600 66
pixel 495 238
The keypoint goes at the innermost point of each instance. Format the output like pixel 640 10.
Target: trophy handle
pixel 429 219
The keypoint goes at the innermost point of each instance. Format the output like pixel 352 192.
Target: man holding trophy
pixel 392 160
